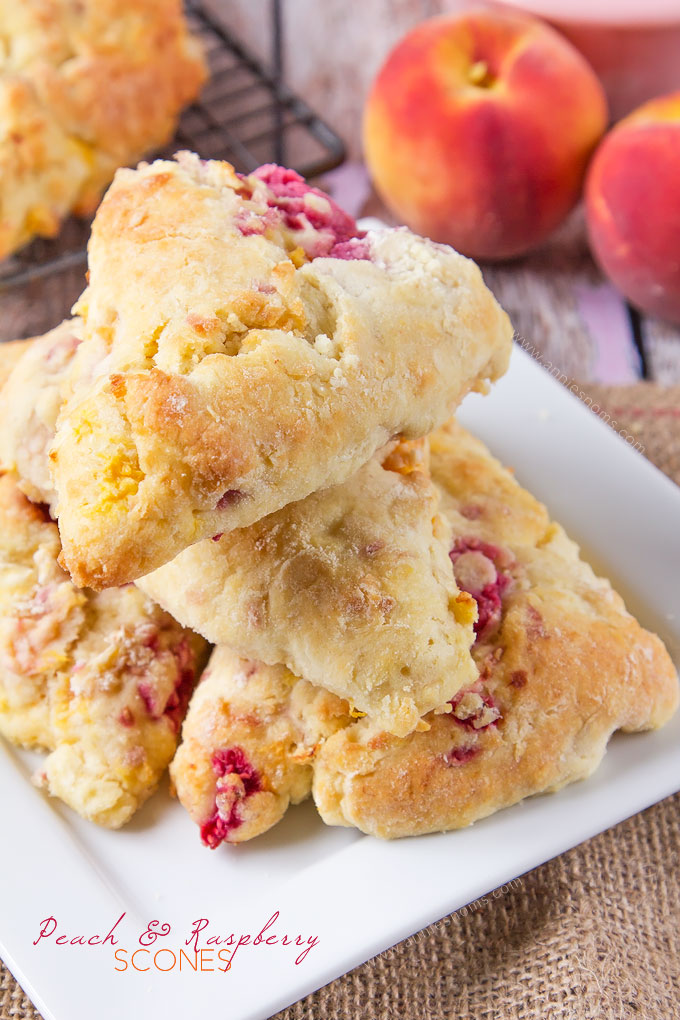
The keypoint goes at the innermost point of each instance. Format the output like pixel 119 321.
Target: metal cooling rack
pixel 245 114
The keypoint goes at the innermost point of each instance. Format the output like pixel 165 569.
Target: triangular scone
pixel 251 349
pixel 372 548
pixel 100 679
pixel 562 666
pixel 34 378
pixel 351 587
pixel 85 87
pixel 247 747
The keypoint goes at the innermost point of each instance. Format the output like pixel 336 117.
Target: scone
pixel 562 666
pixel 86 86
pixel 248 744
pixel 101 680
pixel 250 348
pixel 351 588
pixel 33 379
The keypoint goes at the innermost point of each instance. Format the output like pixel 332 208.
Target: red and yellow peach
pixel 633 206
pixel 478 130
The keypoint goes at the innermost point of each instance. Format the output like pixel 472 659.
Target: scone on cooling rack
pixel 250 348
pixel 562 665
pixel 101 680
pixel 86 86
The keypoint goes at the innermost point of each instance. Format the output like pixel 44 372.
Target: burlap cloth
pixel 592 935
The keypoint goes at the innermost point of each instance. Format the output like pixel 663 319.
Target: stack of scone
pixel 250 418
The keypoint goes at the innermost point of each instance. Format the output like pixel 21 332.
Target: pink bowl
pixel 633 46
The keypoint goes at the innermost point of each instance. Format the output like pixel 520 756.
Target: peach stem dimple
pixel 480 75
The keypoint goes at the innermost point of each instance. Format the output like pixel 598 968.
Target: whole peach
pixel 478 129
pixel 633 206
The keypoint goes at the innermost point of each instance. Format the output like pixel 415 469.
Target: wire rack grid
pixel 245 114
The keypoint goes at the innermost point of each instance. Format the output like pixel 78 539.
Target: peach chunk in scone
pixel 100 680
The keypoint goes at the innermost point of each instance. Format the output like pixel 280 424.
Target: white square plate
pixel 357 895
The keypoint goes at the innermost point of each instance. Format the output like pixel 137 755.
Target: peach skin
pixel 478 130
pixel 633 206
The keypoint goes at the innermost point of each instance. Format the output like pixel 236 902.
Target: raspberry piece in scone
pixel 255 343
pixel 561 666
pixel 101 680
pixel 247 745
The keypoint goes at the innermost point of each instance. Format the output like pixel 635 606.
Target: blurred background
pixel 333 50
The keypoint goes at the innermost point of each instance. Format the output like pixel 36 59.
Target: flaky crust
pixel 100 679
pixel 85 86
pixel 562 666
pixel 351 587
pixel 238 371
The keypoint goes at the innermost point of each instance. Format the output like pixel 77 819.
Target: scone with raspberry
pixel 248 744
pixel 351 588
pixel 101 680
pixel 562 665
pixel 252 347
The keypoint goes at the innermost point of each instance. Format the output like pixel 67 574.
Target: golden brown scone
pixel 86 86
pixel 253 349
pixel 351 588
pixel 247 746
pixel 31 395
pixel 354 583
pixel 562 666
pixel 540 719
pixel 101 680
